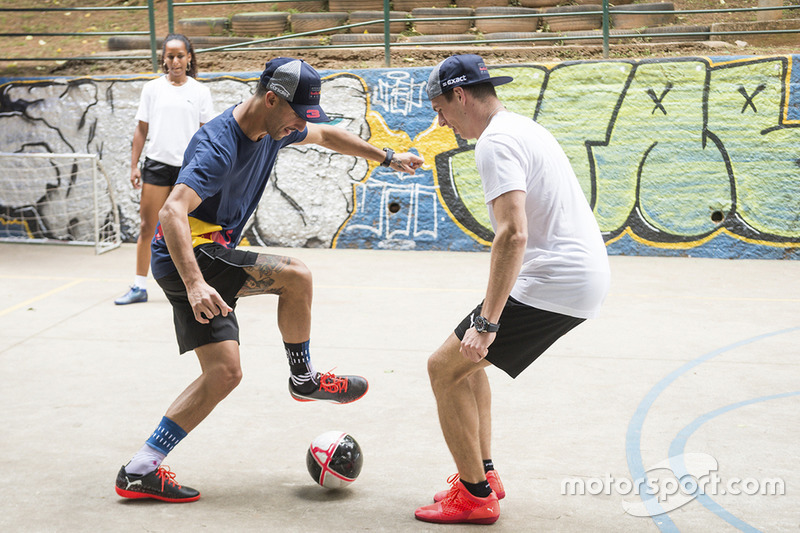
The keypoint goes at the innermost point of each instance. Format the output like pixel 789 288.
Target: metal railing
pixel 150 8
pixel 256 44
pixel 605 36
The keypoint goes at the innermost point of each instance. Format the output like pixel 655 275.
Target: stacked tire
pixel 256 24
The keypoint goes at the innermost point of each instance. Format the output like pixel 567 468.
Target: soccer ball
pixel 334 459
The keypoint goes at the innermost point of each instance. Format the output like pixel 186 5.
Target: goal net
pixel 57 198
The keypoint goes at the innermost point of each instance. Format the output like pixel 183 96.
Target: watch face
pixel 482 325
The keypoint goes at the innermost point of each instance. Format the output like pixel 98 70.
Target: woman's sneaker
pixel 133 296
pixel 332 388
pixel 491 476
pixel 461 507
pixel 159 484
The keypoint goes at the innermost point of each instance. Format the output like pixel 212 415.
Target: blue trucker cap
pixel 460 70
pixel 298 83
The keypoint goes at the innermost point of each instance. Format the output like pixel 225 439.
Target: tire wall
pixel 679 156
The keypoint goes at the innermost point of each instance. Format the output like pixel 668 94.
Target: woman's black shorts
pixel 157 173
pixel 525 333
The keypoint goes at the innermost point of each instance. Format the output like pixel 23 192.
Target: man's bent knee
pixel 442 372
pixel 299 275
pixel 447 367
pixel 225 376
pixel 220 364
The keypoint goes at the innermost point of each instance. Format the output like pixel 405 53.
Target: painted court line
pixel 60 278
pixel 40 297
pixel 678 445
pixel 633 437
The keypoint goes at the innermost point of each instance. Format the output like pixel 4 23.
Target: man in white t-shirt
pixel 548 273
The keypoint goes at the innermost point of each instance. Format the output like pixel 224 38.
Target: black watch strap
pixel 482 325
pixel 389 157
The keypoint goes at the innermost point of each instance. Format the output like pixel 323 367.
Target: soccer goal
pixel 57 198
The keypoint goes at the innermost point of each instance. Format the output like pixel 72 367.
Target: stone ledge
pixel 757 39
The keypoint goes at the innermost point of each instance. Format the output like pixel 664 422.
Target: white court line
pixel 41 296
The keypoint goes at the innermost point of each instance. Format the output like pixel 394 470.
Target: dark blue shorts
pixel 223 269
pixel 525 333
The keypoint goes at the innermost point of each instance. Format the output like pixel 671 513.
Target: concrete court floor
pixel 689 355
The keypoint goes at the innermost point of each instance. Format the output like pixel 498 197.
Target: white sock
pixel 140 282
pixel 145 461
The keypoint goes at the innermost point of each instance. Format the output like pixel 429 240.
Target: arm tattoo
pixel 264 276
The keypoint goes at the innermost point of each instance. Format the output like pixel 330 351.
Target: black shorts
pixel 525 333
pixel 223 269
pixel 157 173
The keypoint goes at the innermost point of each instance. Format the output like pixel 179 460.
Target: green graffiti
pixel 673 150
pixel 656 148
pixel 579 106
pixel 745 107
pixel 468 186
pixel 522 96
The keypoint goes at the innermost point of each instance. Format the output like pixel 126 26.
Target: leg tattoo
pixel 261 279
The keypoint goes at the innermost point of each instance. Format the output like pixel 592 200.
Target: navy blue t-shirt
pixel 229 172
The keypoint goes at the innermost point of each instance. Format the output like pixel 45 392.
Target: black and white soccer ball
pixel 334 459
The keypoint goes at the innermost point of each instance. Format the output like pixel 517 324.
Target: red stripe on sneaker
pixel 139 495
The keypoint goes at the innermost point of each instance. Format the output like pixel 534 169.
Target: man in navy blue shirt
pixel 195 261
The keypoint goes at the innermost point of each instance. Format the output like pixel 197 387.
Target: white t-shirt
pixel 565 267
pixel 173 115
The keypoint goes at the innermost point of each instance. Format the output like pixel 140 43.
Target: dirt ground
pixel 76 16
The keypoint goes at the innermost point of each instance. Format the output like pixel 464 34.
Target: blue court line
pixel 678 466
pixel 633 437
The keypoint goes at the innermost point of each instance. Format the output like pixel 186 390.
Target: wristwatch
pixel 389 157
pixel 482 325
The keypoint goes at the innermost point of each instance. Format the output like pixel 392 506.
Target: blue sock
pixel 166 436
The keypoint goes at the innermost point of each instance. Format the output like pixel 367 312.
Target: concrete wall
pixel 682 156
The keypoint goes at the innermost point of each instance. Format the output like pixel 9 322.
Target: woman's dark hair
pixel 191 69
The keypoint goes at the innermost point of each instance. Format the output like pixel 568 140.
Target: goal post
pixel 57 198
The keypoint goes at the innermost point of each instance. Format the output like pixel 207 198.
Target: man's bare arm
pixel 174 217
pixel 344 142
pixel 508 250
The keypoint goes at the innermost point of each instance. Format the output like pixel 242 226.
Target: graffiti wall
pixel 682 156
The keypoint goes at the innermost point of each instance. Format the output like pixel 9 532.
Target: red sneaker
pixel 491 476
pixel 461 507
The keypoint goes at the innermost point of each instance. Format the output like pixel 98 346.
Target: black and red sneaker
pixel 332 388
pixel 159 484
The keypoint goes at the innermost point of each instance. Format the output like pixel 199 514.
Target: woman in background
pixel 171 109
